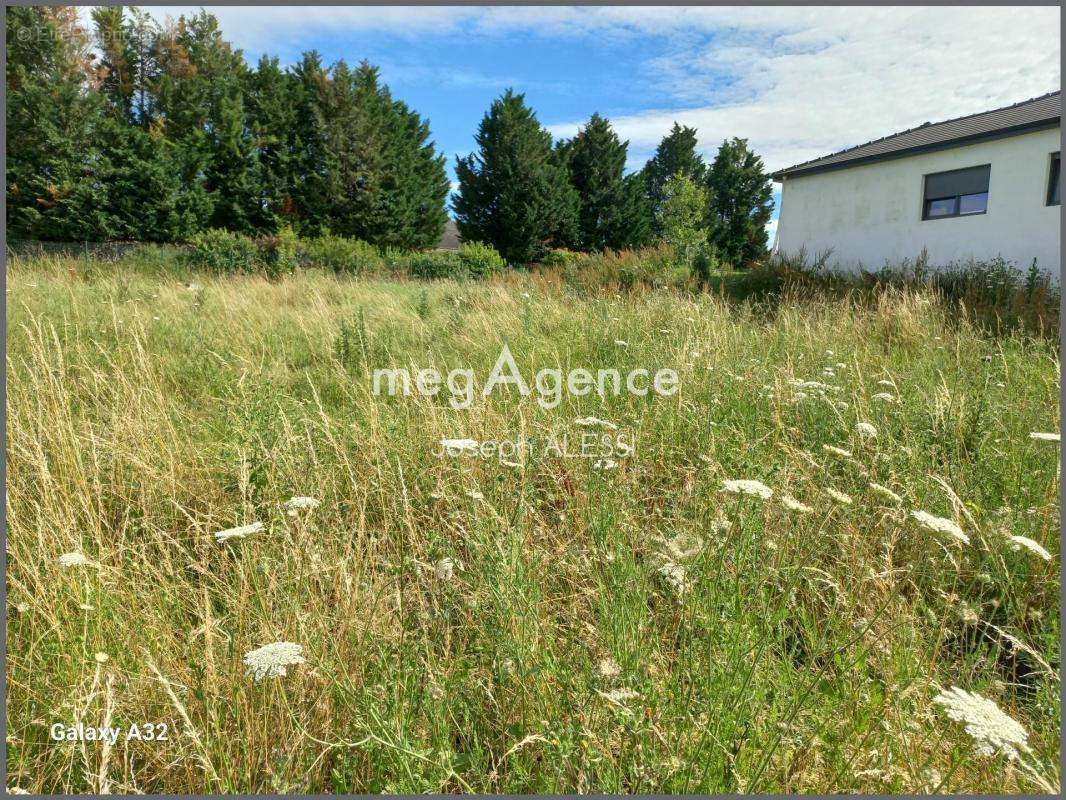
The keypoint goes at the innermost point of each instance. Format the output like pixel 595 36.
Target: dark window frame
pixel 1054 181
pixel 957 198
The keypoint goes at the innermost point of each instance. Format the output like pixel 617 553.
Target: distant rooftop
pixel 1039 112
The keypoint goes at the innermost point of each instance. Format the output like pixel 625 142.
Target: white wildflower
pixel 799 396
pixel 604 464
pixel 889 384
pixel 444 569
pixel 593 422
pixel 682 546
pixel 608 668
pixel 811 386
pixel 830 353
pixel 620 696
pixel 674 576
pixel 841 365
pixel 74 559
pixel 273 660
pixel 837 451
pixel 101 658
pixel 456 447
pixel 884 397
pixel 865 430
pixel 1044 437
pixel 792 504
pixel 755 488
pixel 993 731
pixel 621 343
pixel 474 494
pixel 841 405
pixel 1024 542
pixel 839 497
pixel 239 532
pixel 885 492
pixel 298 503
pixel 940 525
pixel 1001 385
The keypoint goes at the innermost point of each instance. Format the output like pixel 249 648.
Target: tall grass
pixel 149 408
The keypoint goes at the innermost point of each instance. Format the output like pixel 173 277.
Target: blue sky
pixel 798 82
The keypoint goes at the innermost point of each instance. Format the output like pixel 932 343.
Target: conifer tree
pixel 675 153
pixel 740 203
pixel 514 192
pixel 614 213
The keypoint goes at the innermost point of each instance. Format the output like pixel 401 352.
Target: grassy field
pixel 536 623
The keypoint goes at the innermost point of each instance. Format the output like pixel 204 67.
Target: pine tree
pixel 271 107
pixel 675 153
pixel 514 192
pixel 613 213
pixel 740 203
pixel 311 159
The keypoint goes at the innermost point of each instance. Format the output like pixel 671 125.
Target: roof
pixel 449 239
pixel 1039 112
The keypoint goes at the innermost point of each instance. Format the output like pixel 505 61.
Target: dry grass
pixel 144 416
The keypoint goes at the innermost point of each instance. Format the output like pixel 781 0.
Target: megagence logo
pixel 549 384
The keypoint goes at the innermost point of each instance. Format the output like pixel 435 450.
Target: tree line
pixel 155 132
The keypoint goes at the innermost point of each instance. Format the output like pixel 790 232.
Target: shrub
pixel 343 256
pixel 705 263
pixel 559 257
pixel 279 253
pixel 481 259
pixel 224 252
pixel 437 264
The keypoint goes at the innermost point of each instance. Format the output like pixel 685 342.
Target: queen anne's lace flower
pixel 239 532
pixel 884 397
pixel 755 488
pixel 273 660
pixel 75 559
pixel 837 451
pixel 1024 542
pixel 866 430
pixel 608 668
pixel 791 503
pixel 940 525
pixel 885 492
pixel 674 576
pixel 840 497
pixel 992 730
pixel 298 504
pixel 444 569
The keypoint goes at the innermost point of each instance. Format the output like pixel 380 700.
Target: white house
pixel 977 187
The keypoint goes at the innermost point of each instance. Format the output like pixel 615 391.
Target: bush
pixel 343 256
pixel 224 252
pixel 279 253
pixel 481 259
pixel 559 257
pixel 705 263
pixel 436 265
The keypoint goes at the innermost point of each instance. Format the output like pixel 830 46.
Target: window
pixel 958 193
pixel 1054 181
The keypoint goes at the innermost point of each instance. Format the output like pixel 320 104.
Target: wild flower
pixel 674 576
pixel 865 430
pixel 593 422
pixel 887 383
pixel 811 386
pixel 884 397
pixel 1025 543
pixel 841 405
pixel 621 696
pixel 837 451
pixel 1044 437
pixel 273 660
pixel 792 504
pixel 682 546
pixel 75 559
pixel 101 658
pixel 993 731
pixel 608 668
pixel 754 488
pixel 456 447
pixel 885 492
pixel 474 494
pixel 239 532
pixel 298 503
pixel 604 464
pixel 444 569
pixel 840 497
pixel 621 343
pixel 940 525
pixel 1001 385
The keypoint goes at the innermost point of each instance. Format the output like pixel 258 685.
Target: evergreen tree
pixel 54 189
pixel 675 153
pixel 514 192
pixel 311 160
pixel 740 203
pixel 271 107
pixel 613 213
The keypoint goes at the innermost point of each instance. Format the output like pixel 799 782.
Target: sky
pixel 797 82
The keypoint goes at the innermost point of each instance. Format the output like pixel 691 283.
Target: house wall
pixel 871 215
